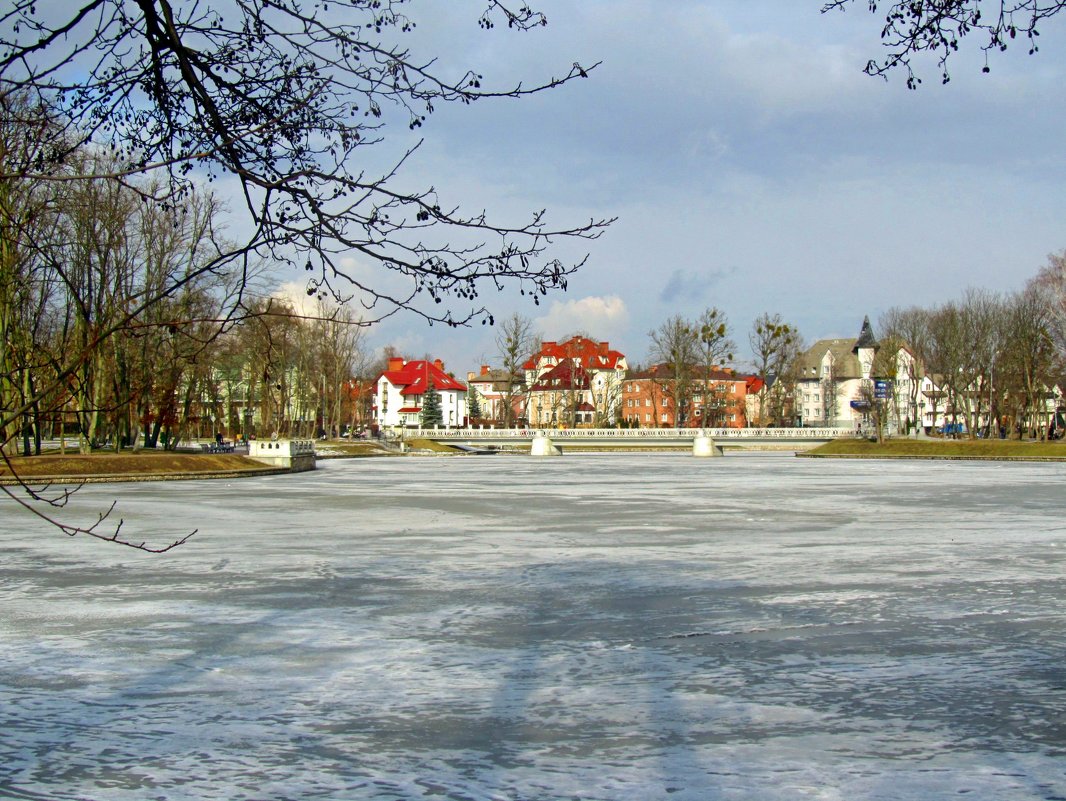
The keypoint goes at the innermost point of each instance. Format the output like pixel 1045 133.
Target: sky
pixel 750 162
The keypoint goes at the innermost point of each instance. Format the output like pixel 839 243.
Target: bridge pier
pixel 703 445
pixel 542 446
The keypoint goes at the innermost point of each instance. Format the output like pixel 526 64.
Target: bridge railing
pixel 632 433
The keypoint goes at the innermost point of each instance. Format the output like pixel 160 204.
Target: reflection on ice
pixel 602 627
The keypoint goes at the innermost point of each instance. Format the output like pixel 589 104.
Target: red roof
pixel 590 355
pixel 567 375
pixel 414 376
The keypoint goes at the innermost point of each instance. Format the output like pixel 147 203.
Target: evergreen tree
pixel 432 415
pixel 473 404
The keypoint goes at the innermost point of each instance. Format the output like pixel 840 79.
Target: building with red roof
pixel 712 398
pixel 576 382
pixel 562 397
pixel 401 388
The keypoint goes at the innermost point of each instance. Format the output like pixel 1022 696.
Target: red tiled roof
pixel 589 354
pixel 415 376
pixel 564 376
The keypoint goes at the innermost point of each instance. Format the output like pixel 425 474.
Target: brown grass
pixel 943 449
pixel 126 464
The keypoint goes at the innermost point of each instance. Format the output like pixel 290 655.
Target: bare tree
pixel 339 342
pixel 1051 282
pixel 1029 359
pixel 715 338
pixel 982 315
pixel 910 327
pixel 775 345
pixel 287 98
pixel 938 27
pixel 675 346
pixel 516 343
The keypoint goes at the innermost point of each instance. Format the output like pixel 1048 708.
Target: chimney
pixel 484 369
pixel 395 363
pixel 603 348
pixel 438 364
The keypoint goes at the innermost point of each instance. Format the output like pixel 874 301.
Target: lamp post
pixel 921 419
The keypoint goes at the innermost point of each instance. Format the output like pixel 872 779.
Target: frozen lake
pixel 589 627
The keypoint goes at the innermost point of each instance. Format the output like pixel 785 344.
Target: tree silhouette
pixel 286 97
pixel 912 27
pixel 285 102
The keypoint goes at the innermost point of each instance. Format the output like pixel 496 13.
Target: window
pixel 666 417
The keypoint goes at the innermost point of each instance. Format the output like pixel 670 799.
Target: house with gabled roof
pixel 562 396
pixel 831 375
pixel 401 389
pixel 575 362
pixel 495 389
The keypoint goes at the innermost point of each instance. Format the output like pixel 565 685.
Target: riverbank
pixel 995 449
pixel 158 465
pixel 54 468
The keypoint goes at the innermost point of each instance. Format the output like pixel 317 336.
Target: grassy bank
pixel 941 449
pixel 126 463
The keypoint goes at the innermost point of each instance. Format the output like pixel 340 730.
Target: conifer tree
pixel 473 404
pixel 432 415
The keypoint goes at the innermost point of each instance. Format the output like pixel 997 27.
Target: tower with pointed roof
pixel 865 348
pixel 831 375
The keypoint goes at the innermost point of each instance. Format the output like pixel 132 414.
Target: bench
pixel 214 447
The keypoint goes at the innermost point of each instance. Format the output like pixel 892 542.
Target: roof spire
pixel 866 337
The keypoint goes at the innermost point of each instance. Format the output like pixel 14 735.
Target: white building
pixel 400 394
pixel 593 368
pixel 831 377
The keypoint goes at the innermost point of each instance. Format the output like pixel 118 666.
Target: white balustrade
pixel 805 434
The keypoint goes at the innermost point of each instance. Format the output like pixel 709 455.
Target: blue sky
pixel 751 164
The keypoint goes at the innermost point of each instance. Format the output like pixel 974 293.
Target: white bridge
pixel 783 438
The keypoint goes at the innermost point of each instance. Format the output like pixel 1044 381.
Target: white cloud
pixel 295 294
pixel 600 317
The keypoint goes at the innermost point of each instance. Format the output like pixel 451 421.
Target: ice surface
pixel 588 627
